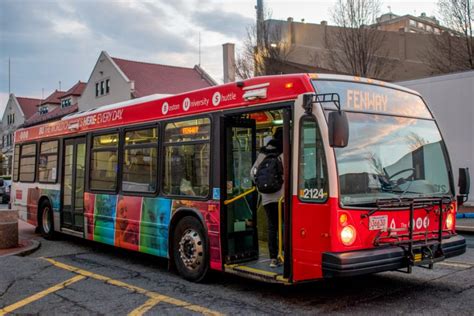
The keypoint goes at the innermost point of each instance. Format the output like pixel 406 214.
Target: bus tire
pixel 190 249
pixel 46 220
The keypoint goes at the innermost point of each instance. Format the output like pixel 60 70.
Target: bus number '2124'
pixel 313 193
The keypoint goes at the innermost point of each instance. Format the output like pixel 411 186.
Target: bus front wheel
pixel 190 249
pixel 46 223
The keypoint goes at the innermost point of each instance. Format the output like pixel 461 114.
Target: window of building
pixel 16 160
pixel 11 118
pixel 27 163
pixel 103 169
pixel 187 158
pixel 48 161
pixel 140 162
pixel 66 102
pixel 312 174
pixel 102 87
pixel 43 109
pixel 421 25
pixel 412 23
pixel 437 30
pixel 429 28
pixel 9 139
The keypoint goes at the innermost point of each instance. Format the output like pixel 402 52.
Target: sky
pixel 52 41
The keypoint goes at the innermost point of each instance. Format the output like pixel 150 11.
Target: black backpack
pixel 269 175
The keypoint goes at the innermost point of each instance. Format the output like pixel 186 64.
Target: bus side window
pixel 103 167
pixel 140 160
pixel 312 173
pixel 187 158
pixel 16 162
pixel 27 163
pixel 48 162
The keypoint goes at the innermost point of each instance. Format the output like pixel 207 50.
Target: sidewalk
pixel 28 241
pixel 465 219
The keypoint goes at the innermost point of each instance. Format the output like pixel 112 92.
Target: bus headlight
pixel 348 235
pixel 450 221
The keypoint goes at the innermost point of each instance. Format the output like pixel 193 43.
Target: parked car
pixel 5 188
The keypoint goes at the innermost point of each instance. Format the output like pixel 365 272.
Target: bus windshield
pixel 389 156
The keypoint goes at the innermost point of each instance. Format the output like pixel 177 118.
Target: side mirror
pixel 338 127
pixel 464 184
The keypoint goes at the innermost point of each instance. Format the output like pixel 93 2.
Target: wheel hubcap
pixel 191 249
pixel 46 221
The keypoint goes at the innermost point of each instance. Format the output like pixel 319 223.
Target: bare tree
pixel 267 57
pixel 356 47
pixel 453 51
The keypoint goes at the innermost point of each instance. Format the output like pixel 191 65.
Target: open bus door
pixel 240 198
pixel 241 209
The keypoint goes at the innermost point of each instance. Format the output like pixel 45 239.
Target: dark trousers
pixel 272 219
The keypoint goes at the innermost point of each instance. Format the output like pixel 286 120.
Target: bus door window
pixel 240 140
pixel 312 179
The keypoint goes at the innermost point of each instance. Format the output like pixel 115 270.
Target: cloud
pixel 60 40
pixel 226 23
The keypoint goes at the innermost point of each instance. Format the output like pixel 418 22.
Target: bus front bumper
pixel 351 263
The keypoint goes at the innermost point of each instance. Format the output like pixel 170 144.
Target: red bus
pixel 368 185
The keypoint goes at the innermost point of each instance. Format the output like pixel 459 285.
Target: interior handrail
pixel 238 197
pixel 280 230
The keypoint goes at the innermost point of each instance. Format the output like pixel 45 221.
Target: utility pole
pixel 199 64
pixel 9 77
pixel 260 25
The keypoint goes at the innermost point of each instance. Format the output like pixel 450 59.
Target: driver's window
pixel 312 175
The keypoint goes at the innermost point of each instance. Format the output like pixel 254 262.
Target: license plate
pixel 378 222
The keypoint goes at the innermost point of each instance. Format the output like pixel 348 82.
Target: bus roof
pixel 250 92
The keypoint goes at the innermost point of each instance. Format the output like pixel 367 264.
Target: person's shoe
pixel 273 263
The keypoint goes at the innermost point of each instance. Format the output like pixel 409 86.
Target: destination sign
pixel 362 97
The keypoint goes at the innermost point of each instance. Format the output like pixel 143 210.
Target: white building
pixel 114 80
pixel 451 98
pixel 17 111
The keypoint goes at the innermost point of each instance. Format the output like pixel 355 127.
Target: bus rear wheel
pixel 46 222
pixel 190 249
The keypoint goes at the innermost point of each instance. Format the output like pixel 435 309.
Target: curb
pixel 464 229
pixel 28 247
pixel 465 215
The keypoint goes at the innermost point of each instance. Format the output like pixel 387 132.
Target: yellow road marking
pixel 152 295
pixel 140 310
pixel 455 264
pixel 40 295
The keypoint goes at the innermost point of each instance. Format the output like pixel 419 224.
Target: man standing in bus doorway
pixel 267 173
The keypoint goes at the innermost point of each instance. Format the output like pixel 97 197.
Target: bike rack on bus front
pixel 416 259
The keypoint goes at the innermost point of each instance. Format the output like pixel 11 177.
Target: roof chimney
pixel 289 19
pixel 229 62
pixel 324 22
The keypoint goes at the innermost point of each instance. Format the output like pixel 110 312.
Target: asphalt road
pixel 106 280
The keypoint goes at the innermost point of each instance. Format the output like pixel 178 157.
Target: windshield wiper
pixel 379 203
